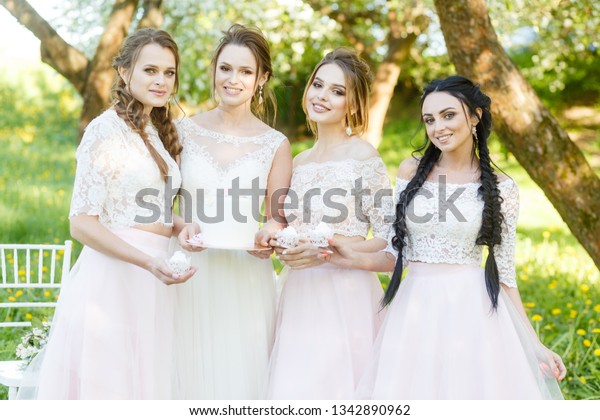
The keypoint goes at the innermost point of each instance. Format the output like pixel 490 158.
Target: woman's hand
pixel 557 367
pixel 340 253
pixel 303 256
pixel 161 271
pixel 262 238
pixel 187 233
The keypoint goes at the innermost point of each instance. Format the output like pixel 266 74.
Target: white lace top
pixel 329 192
pixel 117 179
pixel 445 231
pixel 213 164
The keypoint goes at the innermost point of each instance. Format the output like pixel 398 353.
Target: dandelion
pixel 545 234
pixel 597 352
pixel 580 332
pixel 556 311
pixel 569 305
pixel 597 308
pixel 11 298
pixel 44 269
pixel 596 330
pixel 28 316
pixel 18 293
pixel 21 272
pixel 588 302
pixel 47 293
pixel 524 277
pixel 582 379
pixel 573 313
pixel 536 317
pixel 530 305
pixel 584 288
pixel 552 284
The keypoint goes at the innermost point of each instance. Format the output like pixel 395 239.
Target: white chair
pixel 29 272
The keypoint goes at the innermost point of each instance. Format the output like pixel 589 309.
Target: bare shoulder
pixel 360 149
pixel 408 168
pixel 302 157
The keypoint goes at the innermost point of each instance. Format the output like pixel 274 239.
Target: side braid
pixel 490 233
pixel 426 164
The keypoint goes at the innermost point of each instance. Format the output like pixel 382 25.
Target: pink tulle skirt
pixel 440 340
pixel 111 332
pixel 327 323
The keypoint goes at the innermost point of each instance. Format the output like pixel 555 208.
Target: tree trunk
pixel 96 95
pixel 153 14
pixel 383 86
pixel 523 123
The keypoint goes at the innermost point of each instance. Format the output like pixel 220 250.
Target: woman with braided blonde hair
pixel 454 330
pixel 111 332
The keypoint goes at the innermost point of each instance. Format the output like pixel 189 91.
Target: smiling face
pixel 236 75
pixel 447 123
pixel 153 76
pixel 326 98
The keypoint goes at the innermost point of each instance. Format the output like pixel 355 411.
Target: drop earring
pixel 348 131
pixel 474 132
pixel 260 98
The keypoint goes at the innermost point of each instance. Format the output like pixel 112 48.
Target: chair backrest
pixel 31 278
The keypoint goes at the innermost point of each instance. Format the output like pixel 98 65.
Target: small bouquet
pixel 33 342
pixel 179 263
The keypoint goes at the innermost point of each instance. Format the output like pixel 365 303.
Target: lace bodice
pixel 118 180
pixel 445 230
pixel 214 165
pixel 327 192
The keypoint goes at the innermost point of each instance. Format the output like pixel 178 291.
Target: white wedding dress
pixel 225 313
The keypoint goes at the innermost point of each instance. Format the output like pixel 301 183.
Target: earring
pixel 474 132
pixel 348 131
pixel 260 98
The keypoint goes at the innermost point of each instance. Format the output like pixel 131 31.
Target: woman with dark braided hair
pixel 111 332
pixel 454 330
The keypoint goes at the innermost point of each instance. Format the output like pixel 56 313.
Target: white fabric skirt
pixel 440 340
pixel 111 335
pixel 225 322
pixel 327 323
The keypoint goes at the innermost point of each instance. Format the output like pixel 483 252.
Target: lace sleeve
pixel 379 203
pixel 401 185
pixel 97 162
pixel 505 252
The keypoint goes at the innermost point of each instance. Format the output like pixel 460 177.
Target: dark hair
pixel 471 97
pixel 131 110
pixel 252 38
pixel 358 78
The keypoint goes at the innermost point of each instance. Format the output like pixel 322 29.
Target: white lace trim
pixel 113 165
pixel 432 239
pixel 338 178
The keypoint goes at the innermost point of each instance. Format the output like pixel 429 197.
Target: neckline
pixel 220 134
pixel 452 183
pixel 327 162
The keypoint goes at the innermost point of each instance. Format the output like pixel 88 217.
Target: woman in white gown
pixel 231 162
pixel 328 317
pixel 454 330
pixel 112 331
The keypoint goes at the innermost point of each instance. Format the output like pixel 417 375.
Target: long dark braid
pixel 490 233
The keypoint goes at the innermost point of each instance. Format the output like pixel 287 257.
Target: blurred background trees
pixel 551 47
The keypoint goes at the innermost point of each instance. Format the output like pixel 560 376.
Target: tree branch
pixel 55 51
pixel 153 14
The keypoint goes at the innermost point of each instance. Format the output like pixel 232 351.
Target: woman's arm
pixel 90 232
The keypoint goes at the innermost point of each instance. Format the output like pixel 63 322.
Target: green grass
pixel 559 284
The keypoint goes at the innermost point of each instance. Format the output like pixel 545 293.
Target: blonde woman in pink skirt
pixel 110 336
pixel 454 330
pixel 328 316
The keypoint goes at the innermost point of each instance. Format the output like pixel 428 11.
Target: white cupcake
pixel 320 234
pixel 179 263
pixel 288 237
